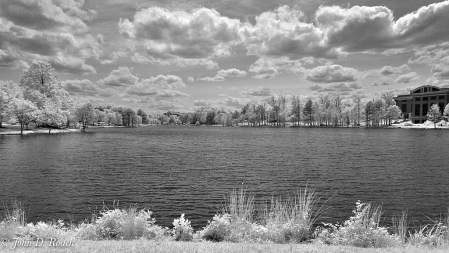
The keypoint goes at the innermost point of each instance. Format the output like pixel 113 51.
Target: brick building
pixel 416 105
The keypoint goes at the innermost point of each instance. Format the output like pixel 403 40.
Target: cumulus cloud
pixel 156 86
pixel 141 59
pixel 222 74
pixel 358 28
pixel 406 78
pixel 48 30
pixel 337 31
pixel 166 82
pixel 390 70
pixel 190 79
pixel 60 16
pixel 284 33
pixel 336 87
pixel 382 82
pixel 234 102
pixel 119 77
pixel 261 91
pixel 168 35
pixel 266 68
pixel 80 87
pixel 202 102
pixel 331 74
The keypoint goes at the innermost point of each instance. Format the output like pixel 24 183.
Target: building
pixel 416 105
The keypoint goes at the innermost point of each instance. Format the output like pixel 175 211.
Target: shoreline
pixel 39 131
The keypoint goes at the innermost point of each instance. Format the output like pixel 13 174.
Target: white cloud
pixel 335 87
pixel 166 82
pixel 406 78
pixel 48 30
pixel 80 87
pixel 261 91
pixel 202 102
pixel 331 74
pixel 284 33
pixel 222 74
pixel 382 82
pixel 119 77
pixel 163 35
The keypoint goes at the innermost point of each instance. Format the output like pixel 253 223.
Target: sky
pixel 181 55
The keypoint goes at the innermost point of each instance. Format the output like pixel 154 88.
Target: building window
pixel 425 98
pixel 441 97
pixel 425 108
pixel 425 89
pixel 404 108
pixel 417 99
pixel 417 110
pixel 416 121
pixel 433 98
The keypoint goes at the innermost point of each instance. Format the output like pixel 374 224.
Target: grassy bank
pixel 282 225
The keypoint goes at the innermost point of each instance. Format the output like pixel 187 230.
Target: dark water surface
pixel 174 170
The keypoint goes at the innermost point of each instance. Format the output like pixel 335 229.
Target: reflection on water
pixel 174 170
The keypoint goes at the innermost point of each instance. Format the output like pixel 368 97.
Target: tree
pixel 85 114
pixel 393 113
pixel 296 109
pixel 434 114
pixel 23 111
pixel 51 116
pixel 446 112
pixel 144 115
pixel 369 110
pixel 357 100
pixel 308 111
pixel 9 92
pixel 129 117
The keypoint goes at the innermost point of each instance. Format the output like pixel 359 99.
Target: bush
pixel 182 230
pixel 361 230
pixel 125 224
pixel 218 229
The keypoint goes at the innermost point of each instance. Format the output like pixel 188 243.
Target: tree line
pixel 326 110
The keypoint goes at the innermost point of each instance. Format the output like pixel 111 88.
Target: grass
pixel 282 225
pixel 207 247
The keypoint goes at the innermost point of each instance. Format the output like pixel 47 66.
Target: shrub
pixel 361 230
pixel 182 230
pixel 86 231
pixel 125 224
pixel 218 229
pixel 44 230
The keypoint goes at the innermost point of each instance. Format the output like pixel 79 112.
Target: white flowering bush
pixel 86 231
pixel 44 230
pixel 125 224
pixel 361 230
pixel 182 230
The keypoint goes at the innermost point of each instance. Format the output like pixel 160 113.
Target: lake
pixel 179 169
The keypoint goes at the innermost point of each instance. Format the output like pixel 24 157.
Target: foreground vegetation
pixel 279 226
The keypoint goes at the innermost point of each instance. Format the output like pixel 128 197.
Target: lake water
pixel 173 169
